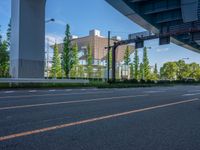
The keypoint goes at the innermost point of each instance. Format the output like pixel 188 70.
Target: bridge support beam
pixel 27 39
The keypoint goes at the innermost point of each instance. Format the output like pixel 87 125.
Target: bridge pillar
pixel 27 39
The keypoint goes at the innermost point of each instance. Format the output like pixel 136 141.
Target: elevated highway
pixel 165 16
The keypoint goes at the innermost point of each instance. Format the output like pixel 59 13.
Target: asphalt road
pixel 161 118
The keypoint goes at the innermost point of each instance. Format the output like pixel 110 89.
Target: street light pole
pixel 108 55
pixel 47 61
pixel 50 20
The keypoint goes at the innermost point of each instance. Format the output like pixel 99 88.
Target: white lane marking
pixel 8 92
pixel 191 91
pixel 32 91
pixel 154 92
pixel 61 126
pixel 68 102
pixel 191 94
pixel 83 89
pixel 68 90
pixel 64 94
pixel 52 90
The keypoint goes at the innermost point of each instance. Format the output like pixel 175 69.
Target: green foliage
pixel 56 69
pixel 136 65
pixel 146 65
pixel 67 54
pixel 74 61
pixel 100 72
pixel 89 61
pixel 4 58
pixel 180 70
pixel 194 70
pixel 131 71
pixel 8 33
pixel 155 75
pixel 169 71
pixel 155 69
pixel 127 56
pixel 81 71
pixel 183 70
pixel 110 58
pixel 141 75
pixel 0 37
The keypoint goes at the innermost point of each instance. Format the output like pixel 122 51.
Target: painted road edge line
pixel 22 134
pixel 191 94
pixel 63 94
pixel 68 102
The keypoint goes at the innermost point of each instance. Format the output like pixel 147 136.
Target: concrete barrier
pixel 30 80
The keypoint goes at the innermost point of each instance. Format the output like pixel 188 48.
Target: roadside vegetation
pixel 138 72
pixel 4 53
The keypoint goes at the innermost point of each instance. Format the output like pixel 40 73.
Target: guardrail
pixel 30 80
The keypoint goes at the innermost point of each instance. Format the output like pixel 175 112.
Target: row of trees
pixel 180 70
pixel 4 53
pixel 67 65
pixel 140 70
pixel 177 70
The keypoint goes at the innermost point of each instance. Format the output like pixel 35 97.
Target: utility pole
pixel 114 62
pixel 108 59
pixel 47 61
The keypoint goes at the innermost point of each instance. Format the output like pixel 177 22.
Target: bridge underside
pixel 27 39
pixel 165 16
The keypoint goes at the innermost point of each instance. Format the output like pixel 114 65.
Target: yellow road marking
pixel 12 136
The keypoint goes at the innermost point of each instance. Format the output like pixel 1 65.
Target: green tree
pixel 155 72
pixel 194 70
pixel 89 61
pixel 67 54
pixel 0 37
pixel 154 75
pixel 56 69
pixel 141 75
pixel 81 71
pixel 136 65
pixel 9 33
pixel 183 70
pixel 132 71
pixel 146 65
pixel 74 61
pixel 169 71
pixel 127 59
pixel 155 69
pixel 4 58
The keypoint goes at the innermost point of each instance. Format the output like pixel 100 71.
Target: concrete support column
pixel 27 39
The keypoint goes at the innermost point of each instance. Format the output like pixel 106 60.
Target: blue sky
pixel 84 15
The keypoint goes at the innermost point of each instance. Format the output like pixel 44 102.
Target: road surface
pixel 159 118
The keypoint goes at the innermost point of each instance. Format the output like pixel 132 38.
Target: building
pixel 165 17
pixel 98 44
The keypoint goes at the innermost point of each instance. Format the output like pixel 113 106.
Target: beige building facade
pixel 98 44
